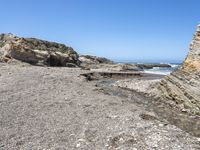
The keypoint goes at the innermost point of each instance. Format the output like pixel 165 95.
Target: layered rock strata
pixel 88 59
pixel 182 87
pixel 36 52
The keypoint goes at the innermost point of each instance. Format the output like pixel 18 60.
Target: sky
pixel 134 30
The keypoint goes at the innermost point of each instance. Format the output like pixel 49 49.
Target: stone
pixel 115 67
pixel 36 52
pixel 88 59
pixel 183 85
pixel 151 66
pixel 104 64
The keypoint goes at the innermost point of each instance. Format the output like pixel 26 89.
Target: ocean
pixel 156 70
pixel 163 70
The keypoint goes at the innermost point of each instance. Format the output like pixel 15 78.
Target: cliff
pixel 182 87
pixel 36 52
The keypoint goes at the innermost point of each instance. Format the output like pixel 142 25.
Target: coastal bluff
pixel 182 87
pixel 36 52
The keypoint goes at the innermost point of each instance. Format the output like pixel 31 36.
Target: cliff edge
pixel 182 87
pixel 36 52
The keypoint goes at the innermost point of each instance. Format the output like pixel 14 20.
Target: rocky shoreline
pixel 56 108
pixel 103 64
pixel 39 52
pixel 180 89
pixel 50 96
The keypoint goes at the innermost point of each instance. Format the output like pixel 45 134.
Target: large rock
pixel 182 87
pixel 88 59
pixel 37 52
pixel 104 64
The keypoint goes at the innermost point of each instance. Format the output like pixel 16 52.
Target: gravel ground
pixel 55 108
pixel 139 85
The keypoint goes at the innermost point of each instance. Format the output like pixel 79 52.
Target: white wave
pixel 174 65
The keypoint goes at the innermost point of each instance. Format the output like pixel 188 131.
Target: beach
pixel 58 108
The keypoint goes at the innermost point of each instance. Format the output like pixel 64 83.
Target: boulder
pixel 182 87
pixel 36 52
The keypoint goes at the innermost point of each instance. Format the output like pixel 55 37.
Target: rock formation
pixel 182 87
pixel 88 59
pixel 115 68
pixel 36 52
pixel 104 64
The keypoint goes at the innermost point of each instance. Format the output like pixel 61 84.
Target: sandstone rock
pixel 114 67
pixel 88 59
pixel 103 64
pixel 125 67
pixel 182 87
pixel 36 52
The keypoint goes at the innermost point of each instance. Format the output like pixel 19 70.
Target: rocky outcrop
pixel 182 87
pixel 113 67
pixel 103 64
pixel 94 59
pixel 36 52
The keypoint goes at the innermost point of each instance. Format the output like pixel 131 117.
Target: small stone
pixel 78 145
pixel 107 145
pixel 183 110
pixel 66 99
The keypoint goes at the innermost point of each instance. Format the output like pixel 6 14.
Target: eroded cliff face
pixel 182 87
pixel 35 51
pixel 192 62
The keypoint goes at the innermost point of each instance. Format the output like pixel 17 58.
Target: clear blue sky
pixel 158 30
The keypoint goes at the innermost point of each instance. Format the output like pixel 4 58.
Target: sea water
pixel 156 70
pixel 163 70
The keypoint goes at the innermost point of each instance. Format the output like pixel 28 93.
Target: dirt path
pixel 55 108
